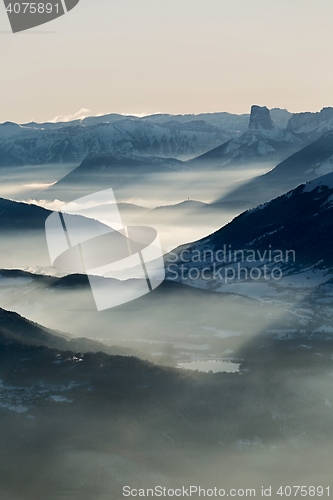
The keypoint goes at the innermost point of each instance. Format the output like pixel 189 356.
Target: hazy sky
pixel 176 56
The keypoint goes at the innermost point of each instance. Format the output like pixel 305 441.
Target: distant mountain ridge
pixel 114 169
pixel 311 162
pixel 176 136
pixel 262 142
pixel 300 220
pixel 72 142
pixel 280 253
pixel 310 126
pixel 168 136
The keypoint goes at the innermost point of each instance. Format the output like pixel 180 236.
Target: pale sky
pixel 174 56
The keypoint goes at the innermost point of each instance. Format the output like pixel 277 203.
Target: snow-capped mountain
pixel 310 126
pixel 224 121
pixel 72 142
pixel 301 219
pixel 262 142
pixel 281 251
pixel 267 139
pixel 177 136
pixel 311 162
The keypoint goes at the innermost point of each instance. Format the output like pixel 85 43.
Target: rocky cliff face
pixel 311 125
pixel 260 118
pixel 263 142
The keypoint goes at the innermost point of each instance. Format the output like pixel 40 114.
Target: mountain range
pixel 81 414
pixel 290 234
pixel 262 142
pixel 310 162
pixel 298 156
pixel 310 126
pixel 180 136
pixel 116 170
pixel 38 144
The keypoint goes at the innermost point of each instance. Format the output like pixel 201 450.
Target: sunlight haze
pixel 175 56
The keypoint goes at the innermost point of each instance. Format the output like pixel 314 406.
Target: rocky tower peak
pixel 260 118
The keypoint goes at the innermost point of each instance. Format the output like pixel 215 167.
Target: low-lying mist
pixel 181 220
pixel 124 422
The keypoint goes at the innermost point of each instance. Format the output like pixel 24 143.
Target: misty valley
pixel 219 376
